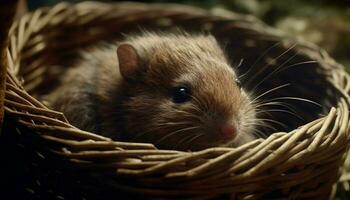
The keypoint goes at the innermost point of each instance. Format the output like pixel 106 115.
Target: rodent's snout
pixel 228 131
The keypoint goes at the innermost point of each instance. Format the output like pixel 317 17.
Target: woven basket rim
pixel 18 99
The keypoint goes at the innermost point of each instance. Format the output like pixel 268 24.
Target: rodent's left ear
pixel 130 64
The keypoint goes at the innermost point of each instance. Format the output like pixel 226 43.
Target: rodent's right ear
pixel 130 65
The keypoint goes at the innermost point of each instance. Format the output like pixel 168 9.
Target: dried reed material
pixel 302 164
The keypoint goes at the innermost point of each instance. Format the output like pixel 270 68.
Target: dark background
pixel 324 22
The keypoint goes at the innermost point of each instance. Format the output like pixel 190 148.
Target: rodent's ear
pixel 130 64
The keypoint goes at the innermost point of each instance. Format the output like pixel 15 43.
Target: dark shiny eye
pixel 181 94
pixel 239 84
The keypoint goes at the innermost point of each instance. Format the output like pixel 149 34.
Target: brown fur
pixel 95 97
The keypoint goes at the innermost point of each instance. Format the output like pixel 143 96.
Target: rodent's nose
pixel 228 131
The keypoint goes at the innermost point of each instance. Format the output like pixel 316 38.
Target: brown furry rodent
pixel 174 90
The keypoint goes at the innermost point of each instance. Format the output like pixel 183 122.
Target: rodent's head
pixel 182 94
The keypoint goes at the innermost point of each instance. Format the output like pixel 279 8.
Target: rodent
pixel 175 90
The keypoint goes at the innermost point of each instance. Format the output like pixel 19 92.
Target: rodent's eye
pixel 181 94
pixel 239 84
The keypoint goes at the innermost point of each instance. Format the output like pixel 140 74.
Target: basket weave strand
pixel 302 164
pixel 7 13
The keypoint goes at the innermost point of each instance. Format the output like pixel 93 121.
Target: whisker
pixel 240 63
pixel 200 103
pixel 281 104
pixel 297 99
pixel 188 114
pixel 253 123
pixel 194 106
pixel 179 143
pixel 176 132
pixel 299 63
pixel 276 122
pixel 274 71
pixel 196 136
pixel 268 126
pixel 261 69
pixel 260 123
pixel 174 123
pixel 283 111
pixel 260 57
pixel 275 103
pixel 259 133
pixel 271 90
pixel 159 126
pixel 146 132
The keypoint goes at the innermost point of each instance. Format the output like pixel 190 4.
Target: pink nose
pixel 228 131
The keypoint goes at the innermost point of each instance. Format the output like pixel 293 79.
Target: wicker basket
pixel 53 159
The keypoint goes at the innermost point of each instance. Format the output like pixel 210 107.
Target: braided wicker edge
pixel 144 160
